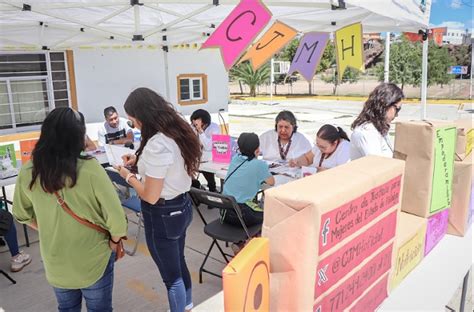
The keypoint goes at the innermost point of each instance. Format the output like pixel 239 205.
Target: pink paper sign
pixel 436 228
pixel 339 223
pixel 221 148
pixel 351 289
pixel 238 30
pixel 373 299
pixel 333 268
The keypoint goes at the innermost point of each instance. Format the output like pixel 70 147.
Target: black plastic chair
pixel 6 219
pixel 217 230
pixel 132 203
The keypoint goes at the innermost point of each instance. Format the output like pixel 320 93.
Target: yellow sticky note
pixel 277 36
pixel 350 49
pixel 408 257
pixel 469 141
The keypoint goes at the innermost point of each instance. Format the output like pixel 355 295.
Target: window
pixel 31 84
pixel 192 89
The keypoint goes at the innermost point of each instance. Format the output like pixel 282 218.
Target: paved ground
pixel 456 89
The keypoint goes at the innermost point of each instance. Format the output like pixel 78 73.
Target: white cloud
pixel 456 4
pixel 451 24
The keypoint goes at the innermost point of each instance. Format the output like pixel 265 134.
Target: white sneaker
pixel 19 261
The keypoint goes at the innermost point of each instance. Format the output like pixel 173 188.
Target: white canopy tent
pixel 56 25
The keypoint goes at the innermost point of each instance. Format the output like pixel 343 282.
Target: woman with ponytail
pixel 332 149
pixel 244 179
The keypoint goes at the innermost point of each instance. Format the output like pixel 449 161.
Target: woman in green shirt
pixel 78 260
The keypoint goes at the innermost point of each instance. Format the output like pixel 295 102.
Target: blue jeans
pixel 165 232
pixel 12 240
pixel 98 296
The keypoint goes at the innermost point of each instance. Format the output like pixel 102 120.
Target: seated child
pixel 244 178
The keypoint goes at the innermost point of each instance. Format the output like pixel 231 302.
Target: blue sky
pixel 452 13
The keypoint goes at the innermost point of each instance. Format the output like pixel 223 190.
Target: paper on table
pixel 115 153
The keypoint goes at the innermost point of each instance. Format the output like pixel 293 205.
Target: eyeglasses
pixel 397 109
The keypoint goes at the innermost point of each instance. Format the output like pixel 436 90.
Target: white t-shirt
pixel 271 151
pixel 106 133
pixel 339 157
pixel 367 140
pixel 206 136
pixel 161 159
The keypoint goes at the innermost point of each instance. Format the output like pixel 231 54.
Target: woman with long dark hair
pixel 370 129
pixel 332 149
pixel 78 260
pixel 167 159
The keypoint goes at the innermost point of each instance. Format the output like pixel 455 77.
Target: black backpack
pixel 6 220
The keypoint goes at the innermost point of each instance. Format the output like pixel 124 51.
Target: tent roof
pixel 79 23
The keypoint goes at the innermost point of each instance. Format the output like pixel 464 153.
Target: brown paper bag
pixel 428 149
pixel 463 187
pixel 465 138
pixel 313 221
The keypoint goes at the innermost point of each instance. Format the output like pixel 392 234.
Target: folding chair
pixel 221 231
pixel 132 203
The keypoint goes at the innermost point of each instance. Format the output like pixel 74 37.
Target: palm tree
pixel 245 73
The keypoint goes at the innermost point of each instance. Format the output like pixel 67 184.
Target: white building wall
pixel 105 77
pixel 453 36
pixel 207 61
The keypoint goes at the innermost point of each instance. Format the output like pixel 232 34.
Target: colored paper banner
pixel 270 43
pixel 26 148
pixel 221 148
pixel 353 287
pixel 408 257
pixel 309 53
pixel 350 49
pixel 435 230
pixel 340 223
pixel 246 279
pixel 445 146
pixel 333 268
pixel 238 30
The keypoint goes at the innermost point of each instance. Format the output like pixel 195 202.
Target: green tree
pixel 288 53
pixel 328 60
pixel 405 64
pixel 439 61
pixel 245 73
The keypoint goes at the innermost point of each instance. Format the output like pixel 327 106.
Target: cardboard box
pixel 428 149
pixel 315 218
pixel 460 213
pixel 435 229
pixel 372 298
pixel 410 246
pixel 246 278
pixel 465 138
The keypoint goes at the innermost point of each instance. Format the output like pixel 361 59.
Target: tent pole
pixel 272 73
pixel 472 63
pixel 136 11
pixel 167 75
pixel 386 75
pixel 424 78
